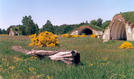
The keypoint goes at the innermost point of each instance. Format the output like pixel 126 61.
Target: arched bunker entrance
pixel 118 31
pixel 86 31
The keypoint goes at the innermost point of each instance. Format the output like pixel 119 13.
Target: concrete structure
pixel 13 33
pixel 119 29
pixel 87 30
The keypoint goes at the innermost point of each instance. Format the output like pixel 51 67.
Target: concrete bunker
pixel 86 31
pixel 118 31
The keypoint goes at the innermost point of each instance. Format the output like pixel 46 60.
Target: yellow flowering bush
pixel 66 35
pixel 44 39
pixel 126 44
pixel 91 64
pixel 93 36
pixel 83 35
pixel 72 36
pixel 3 34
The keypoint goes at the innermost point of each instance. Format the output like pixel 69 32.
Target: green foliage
pixel 97 27
pixel 129 16
pixel 0 31
pixel 105 24
pixel 93 22
pixel 62 29
pixel 48 27
pixel 3 31
pixel 99 22
pixel 29 27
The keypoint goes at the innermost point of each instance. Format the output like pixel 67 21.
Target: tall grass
pixel 98 60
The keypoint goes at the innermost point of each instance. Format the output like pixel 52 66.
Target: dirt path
pixel 20 49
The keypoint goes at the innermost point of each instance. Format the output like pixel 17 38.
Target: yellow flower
pixel 17 59
pixel 83 35
pixel 4 59
pixel 49 77
pixel 66 35
pixel 90 64
pixel 3 34
pixel 74 36
pixel 51 45
pixel 93 36
pixel 47 39
pixel 33 57
pixel 11 67
pixel 31 69
pixel 126 44
pixel 41 75
pixel 105 58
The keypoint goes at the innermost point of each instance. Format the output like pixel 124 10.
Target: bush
pixel 82 35
pixel 73 36
pixel 93 36
pixel 126 45
pixel 66 35
pixel 44 39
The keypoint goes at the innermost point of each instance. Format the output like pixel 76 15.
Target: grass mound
pixel 129 16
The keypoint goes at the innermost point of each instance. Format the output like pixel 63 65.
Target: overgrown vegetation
pixel 129 16
pixel 29 27
pixel 98 60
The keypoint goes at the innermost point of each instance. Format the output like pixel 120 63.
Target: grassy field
pixel 98 60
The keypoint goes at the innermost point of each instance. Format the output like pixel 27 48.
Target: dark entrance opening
pixel 86 31
pixel 118 31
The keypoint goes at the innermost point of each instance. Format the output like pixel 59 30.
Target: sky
pixel 60 11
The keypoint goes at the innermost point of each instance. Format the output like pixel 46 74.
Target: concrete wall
pixel 129 32
pixel 129 29
pixel 106 35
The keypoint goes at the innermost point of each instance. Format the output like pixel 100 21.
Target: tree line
pixel 30 27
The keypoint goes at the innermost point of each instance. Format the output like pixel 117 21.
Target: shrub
pixel 83 35
pixel 74 36
pixel 44 39
pixel 93 36
pixel 66 35
pixel 126 45
pixel 3 34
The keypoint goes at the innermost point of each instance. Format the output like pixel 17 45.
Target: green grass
pixel 109 61
pixel 129 16
pixel 94 27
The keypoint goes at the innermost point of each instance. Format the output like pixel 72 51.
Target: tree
pixel 0 31
pixel 29 27
pixel 106 24
pixel 99 22
pixel 93 22
pixel 4 31
pixel 48 27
